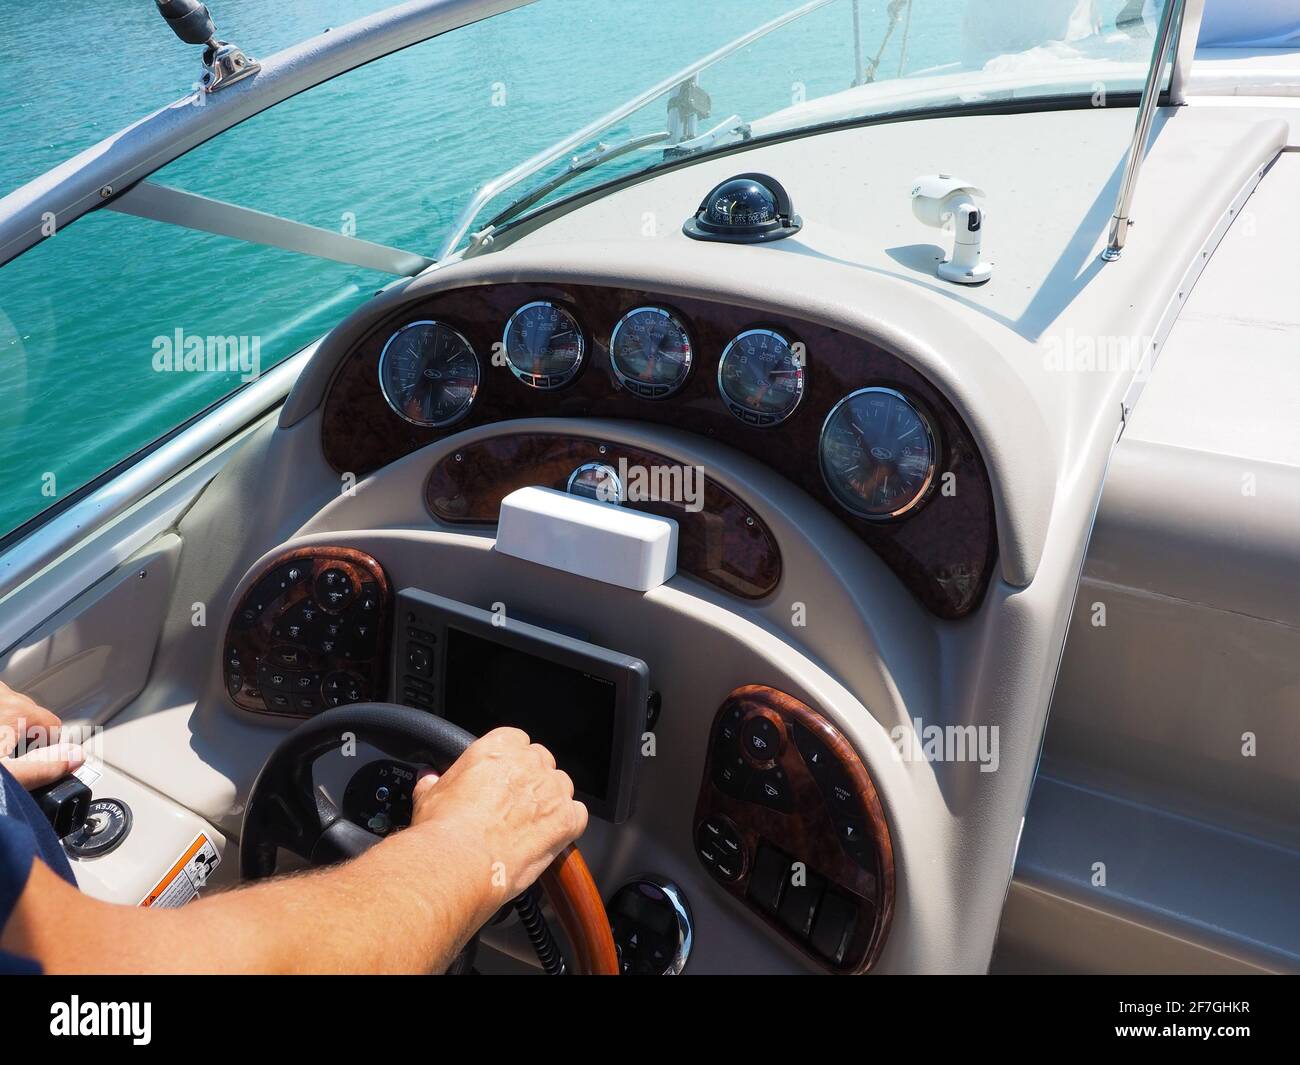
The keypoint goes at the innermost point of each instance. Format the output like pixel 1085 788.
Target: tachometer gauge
pixel 429 374
pixel 761 377
pixel 878 453
pixel 650 352
pixel 544 345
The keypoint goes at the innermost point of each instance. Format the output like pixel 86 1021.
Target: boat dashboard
pixel 440 405
pixel 847 420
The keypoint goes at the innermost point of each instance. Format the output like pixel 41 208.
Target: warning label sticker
pixel 88 774
pixel 186 877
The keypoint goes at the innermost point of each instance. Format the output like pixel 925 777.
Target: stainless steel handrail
pixel 1120 222
pixel 559 149
pixel 53 201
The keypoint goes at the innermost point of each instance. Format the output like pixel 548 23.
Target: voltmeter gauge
pixel 544 345
pixel 650 352
pixel 761 377
pixel 878 453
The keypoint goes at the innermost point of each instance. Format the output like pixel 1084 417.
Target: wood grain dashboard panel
pixel 312 631
pixel 722 542
pixel 944 550
pixel 788 822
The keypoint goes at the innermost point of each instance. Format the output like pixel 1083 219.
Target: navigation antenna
pixel 223 63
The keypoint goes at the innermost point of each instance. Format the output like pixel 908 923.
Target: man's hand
pixel 504 797
pixel 406 905
pixel 21 719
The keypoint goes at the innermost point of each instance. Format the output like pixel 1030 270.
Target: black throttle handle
pixel 65 804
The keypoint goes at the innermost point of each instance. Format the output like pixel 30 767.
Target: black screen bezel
pixel 434 615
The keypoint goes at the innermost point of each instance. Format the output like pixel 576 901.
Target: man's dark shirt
pixel 25 836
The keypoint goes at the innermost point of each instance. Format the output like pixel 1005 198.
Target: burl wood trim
pixel 256 642
pixel 807 833
pixel 573 895
pixel 725 543
pixel 944 550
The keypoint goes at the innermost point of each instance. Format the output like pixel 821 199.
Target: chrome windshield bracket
pixel 686 106
pixel 1170 19
pixel 224 64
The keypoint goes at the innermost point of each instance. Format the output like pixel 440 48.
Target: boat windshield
pixel 376 172
pixel 825 62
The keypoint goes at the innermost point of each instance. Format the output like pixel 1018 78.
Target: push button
pixel 833 927
pixel 815 753
pixel 333 589
pixel 761 739
pixel 769 878
pixel 802 895
pixel 718 843
pixel 420 659
pixel 729 728
pixel 852 833
pixel 770 788
pixel 286 656
pixel 731 775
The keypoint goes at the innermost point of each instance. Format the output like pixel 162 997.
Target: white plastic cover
pixel 602 541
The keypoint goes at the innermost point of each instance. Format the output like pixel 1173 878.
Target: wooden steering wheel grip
pixel 573 895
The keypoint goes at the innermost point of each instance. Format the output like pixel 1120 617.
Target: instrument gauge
pixel 650 352
pixel 878 453
pixel 761 377
pixel 429 374
pixel 544 345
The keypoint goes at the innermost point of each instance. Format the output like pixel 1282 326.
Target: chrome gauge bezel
pixel 734 406
pixel 383 379
pixel 638 387
pixel 553 381
pixel 932 440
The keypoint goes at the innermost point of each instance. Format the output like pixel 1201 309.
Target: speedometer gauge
pixel 760 376
pixel 878 453
pixel 544 345
pixel 429 374
pixel 650 352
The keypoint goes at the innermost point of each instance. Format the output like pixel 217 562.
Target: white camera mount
pixel 939 198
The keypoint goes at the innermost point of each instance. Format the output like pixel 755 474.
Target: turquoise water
pixel 390 152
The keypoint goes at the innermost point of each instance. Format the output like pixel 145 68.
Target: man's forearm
pixel 399 908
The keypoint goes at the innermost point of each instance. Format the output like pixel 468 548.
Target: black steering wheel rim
pixel 285 810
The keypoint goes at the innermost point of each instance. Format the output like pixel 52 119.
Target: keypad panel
pixel 789 822
pixel 310 631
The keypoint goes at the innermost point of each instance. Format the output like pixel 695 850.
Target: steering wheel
pixel 285 810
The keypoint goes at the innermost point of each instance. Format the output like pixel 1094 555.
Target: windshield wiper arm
pixel 604 153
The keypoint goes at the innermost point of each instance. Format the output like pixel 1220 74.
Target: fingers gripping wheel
pixel 285 810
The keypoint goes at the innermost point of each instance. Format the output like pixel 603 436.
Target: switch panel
pixel 788 821
pixel 311 631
